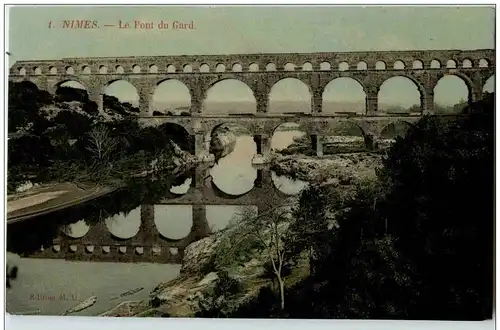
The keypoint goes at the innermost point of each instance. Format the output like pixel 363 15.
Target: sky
pixel 224 30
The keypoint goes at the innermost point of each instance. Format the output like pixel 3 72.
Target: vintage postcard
pixel 307 162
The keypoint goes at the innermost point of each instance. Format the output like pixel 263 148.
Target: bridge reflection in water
pixel 149 221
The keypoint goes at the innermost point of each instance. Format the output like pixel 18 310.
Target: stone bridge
pixel 260 72
pixel 148 244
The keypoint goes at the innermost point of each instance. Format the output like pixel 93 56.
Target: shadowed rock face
pixel 222 142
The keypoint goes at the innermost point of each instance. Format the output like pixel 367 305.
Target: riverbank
pixel 186 295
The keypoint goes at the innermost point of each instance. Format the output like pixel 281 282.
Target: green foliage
pixel 415 244
pixel 74 146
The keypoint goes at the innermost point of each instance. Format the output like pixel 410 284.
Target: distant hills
pixel 275 106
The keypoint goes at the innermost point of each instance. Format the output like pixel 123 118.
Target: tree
pixel 268 232
pixel 100 143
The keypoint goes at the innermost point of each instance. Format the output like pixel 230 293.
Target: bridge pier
pixel 263 142
pixel 200 148
pixel 371 103
pixel 317 144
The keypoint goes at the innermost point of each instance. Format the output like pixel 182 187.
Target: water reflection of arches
pixel 173 222
pixel 124 226
pixel 287 185
pixel 76 230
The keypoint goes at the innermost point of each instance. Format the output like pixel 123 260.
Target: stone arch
pixel 451 64
pixel 230 94
pixel 103 69
pixel 418 65
pixel 484 63
pixel 489 85
pixel 467 63
pixel 52 70
pixel 400 94
pixel 86 69
pixel 237 67
pixel 70 70
pixel 71 90
pixel 289 132
pixel 362 66
pixel 136 68
pixel 124 225
pixel 399 65
pixel 153 68
pixel 380 65
pixel 307 66
pixel 451 93
pixel 187 68
pixel 119 69
pixel 345 136
pixel 204 68
pixel 290 95
pixel 37 71
pixel 220 68
pixel 74 80
pixel 170 97
pixel 343 66
pixel 344 94
pixel 123 90
pixel 232 143
pixel 289 67
pixel 394 129
pixel 325 66
pixel 271 67
pixel 254 67
pixel 175 132
pixel 171 68
pixel 22 71
pixel 435 64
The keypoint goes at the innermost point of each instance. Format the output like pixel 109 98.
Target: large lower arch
pixel 344 95
pixel 120 96
pixel 344 137
pixel 290 95
pixel 392 131
pixel 160 137
pixel 489 85
pixel 71 90
pixel 234 148
pixel 399 95
pixel 451 94
pixel 229 96
pixel 170 97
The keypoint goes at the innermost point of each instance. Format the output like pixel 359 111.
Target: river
pixel 52 286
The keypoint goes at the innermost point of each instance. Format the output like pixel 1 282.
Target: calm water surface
pixel 42 283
